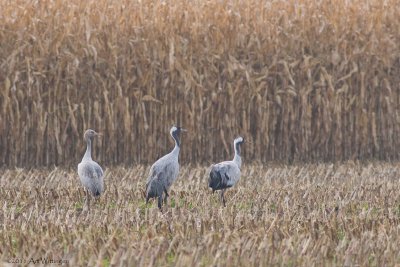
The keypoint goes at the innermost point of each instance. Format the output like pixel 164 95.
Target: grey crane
pixel 89 171
pixel 227 173
pixel 164 171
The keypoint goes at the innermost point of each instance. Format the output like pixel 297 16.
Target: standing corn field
pixel 304 80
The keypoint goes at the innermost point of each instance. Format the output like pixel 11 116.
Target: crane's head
pixel 176 133
pixel 176 130
pixel 90 134
pixel 238 141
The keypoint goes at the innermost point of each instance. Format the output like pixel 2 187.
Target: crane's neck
pixel 177 143
pixel 88 153
pixel 237 158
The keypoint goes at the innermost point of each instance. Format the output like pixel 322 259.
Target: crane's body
pixel 164 171
pixel 226 174
pixel 90 172
pixel 91 176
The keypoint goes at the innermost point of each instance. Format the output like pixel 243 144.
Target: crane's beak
pixel 183 130
pixel 99 134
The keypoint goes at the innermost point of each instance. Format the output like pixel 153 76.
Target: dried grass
pixel 305 80
pixel 305 215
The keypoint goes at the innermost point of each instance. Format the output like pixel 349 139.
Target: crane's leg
pixel 87 200
pixel 160 202
pixel 166 196
pixel 222 197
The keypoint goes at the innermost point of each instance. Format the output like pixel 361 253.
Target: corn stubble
pixel 306 80
pixel 306 215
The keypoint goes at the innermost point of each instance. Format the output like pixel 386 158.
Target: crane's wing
pixel 98 170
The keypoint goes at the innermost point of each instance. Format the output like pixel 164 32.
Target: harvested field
pixel 306 215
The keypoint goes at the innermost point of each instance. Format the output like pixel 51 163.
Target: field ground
pixel 302 215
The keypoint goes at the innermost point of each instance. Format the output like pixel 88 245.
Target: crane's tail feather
pixel 95 190
pixel 215 180
pixel 154 189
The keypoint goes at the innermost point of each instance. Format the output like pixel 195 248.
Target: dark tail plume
pixel 215 180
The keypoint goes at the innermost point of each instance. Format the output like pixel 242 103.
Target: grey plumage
pixel 164 171
pixel 226 174
pixel 89 171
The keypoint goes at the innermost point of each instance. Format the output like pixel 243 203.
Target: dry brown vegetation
pixel 305 80
pixel 306 215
